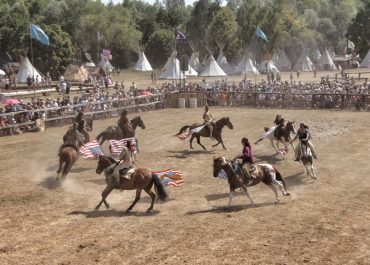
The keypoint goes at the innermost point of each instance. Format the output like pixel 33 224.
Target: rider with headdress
pixel 208 118
pixel 126 162
pixel 72 138
pixel 279 122
pixel 123 121
pixel 304 137
pixel 81 125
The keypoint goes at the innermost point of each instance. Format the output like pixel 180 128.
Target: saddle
pixel 126 172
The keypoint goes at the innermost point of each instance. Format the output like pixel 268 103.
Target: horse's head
pixel 226 121
pixel 218 163
pixel 290 127
pixel 137 121
pixel 103 163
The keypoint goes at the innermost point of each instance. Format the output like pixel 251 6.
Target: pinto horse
pixel 239 178
pixel 141 179
pixel 67 158
pixel 204 132
pixel 116 133
pixel 307 159
pixel 283 135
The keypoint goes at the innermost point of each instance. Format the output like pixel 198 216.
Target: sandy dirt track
pixel 325 221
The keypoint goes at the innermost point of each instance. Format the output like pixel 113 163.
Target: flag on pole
pixel 106 52
pixel 38 34
pixel 170 177
pixel 186 134
pixel 91 150
pixel 117 145
pixel 180 36
pixel 260 34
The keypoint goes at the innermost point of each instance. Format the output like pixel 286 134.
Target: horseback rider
pixel 124 122
pixel 80 120
pixel 246 156
pixel 279 122
pixel 72 138
pixel 126 162
pixel 208 118
pixel 304 137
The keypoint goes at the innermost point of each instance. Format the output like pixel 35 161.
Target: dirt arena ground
pixel 324 221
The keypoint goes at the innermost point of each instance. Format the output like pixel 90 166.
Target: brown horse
pixel 141 179
pixel 67 158
pixel 283 135
pixel 116 133
pixel 204 132
pixel 238 177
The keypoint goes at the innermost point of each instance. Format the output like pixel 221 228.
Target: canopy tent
pixel 366 61
pixel 267 66
pixel 105 64
pixel 304 63
pixel 27 69
pixel 212 68
pixel 142 63
pixel 75 73
pixel 281 60
pixel 246 66
pixel 325 62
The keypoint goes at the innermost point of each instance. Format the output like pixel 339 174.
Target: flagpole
pixel 33 68
pixel 97 35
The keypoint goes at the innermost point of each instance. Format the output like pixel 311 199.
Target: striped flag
pixel 91 150
pixel 282 151
pixel 185 135
pixel 222 174
pixel 117 145
pixel 170 177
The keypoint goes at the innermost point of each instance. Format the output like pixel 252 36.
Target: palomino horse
pixel 115 132
pixel 283 135
pixel 239 178
pixel 307 160
pixel 67 157
pixel 141 179
pixel 204 132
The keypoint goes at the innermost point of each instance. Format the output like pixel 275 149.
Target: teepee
pixel 212 68
pixel 267 66
pixel 171 70
pixel 194 58
pixel 222 61
pixel 27 69
pixel 105 64
pixel 281 60
pixel 303 63
pixel 325 62
pixel 142 63
pixel 316 55
pixel 366 61
pixel 246 66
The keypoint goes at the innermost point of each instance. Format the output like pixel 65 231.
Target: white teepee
pixel 142 63
pixel 246 66
pixel 171 70
pixel 366 61
pixel 194 58
pixel 267 66
pixel 191 71
pixel 281 61
pixel 27 69
pixel 105 64
pixel 304 63
pixel 212 68
pixel 316 55
pixel 325 62
pixel 222 61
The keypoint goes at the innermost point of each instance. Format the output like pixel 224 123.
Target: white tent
pixel 267 66
pixel 142 63
pixel 212 68
pixel 224 64
pixel 26 69
pixel 194 61
pixel 171 70
pixel 281 61
pixel 304 63
pixel 246 66
pixel 316 55
pixel 105 64
pixel 325 62
pixel 366 61
pixel 191 71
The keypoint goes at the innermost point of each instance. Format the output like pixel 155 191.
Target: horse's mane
pixel 111 159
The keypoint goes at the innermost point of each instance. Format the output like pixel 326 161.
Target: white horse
pixel 307 159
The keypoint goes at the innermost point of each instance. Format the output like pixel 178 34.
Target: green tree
pixel 159 46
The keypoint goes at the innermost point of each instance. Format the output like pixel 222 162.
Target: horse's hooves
pixel 287 194
pixel 128 210
pixel 149 211
pixel 96 208
pixel 107 206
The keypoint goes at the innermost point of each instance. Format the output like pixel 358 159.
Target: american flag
pixel 185 135
pixel 91 150
pixel 170 177
pixel 222 174
pixel 282 151
pixel 117 145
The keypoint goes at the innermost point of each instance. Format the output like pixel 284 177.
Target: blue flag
pixel 260 34
pixel 39 34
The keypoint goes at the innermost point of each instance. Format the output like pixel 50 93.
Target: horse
pixel 116 133
pixel 283 135
pixel 67 158
pixel 204 132
pixel 238 177
pixel 141 179
pixel 307 159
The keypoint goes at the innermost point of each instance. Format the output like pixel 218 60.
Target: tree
pixel 159 46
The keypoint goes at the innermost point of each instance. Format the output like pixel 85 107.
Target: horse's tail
pixel 182 130
pixel 159 188
pixel 279 177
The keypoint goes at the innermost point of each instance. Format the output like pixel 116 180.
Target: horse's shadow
pixel 100 181
pixel 51 183
pixel 112 213
pixel 269 159
pixel 235 208
pixel 75 170
pixel 297 179
pixel 187 153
